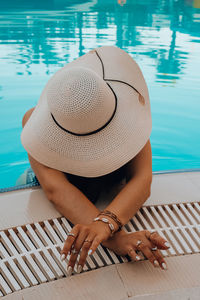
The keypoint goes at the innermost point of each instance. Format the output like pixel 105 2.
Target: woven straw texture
pixel 81 101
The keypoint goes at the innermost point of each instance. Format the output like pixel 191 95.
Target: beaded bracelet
pixel 113 216
pixel 111 226
pixel 119 226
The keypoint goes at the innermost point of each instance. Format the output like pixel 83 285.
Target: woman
pixel 88 132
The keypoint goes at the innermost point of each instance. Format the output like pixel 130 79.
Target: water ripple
pixel 39 37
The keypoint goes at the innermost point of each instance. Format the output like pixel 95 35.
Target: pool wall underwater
pixel 36 39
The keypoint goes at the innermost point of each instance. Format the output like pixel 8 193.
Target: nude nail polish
pixel 156 263
pixel 137 257
pixel 167 244
pixel 62 257
pixel 90 251
pixel 69 270
pixel 164 266
pixel 79 269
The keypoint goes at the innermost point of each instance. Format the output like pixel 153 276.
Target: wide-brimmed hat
pixel 93 115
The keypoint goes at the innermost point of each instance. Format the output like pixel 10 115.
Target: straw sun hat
pixel 93 115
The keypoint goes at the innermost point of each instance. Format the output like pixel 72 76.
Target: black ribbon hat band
pixel 97 130
pixel 102 127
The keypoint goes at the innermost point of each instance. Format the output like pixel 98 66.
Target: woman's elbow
pixel 148 185
pixel 55 196
pixel 50 195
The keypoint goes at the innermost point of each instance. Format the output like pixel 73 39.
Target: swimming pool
pixel 162 36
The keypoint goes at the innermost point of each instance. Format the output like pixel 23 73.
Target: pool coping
pixel 30 185
pixel 168 188
pixel 132 280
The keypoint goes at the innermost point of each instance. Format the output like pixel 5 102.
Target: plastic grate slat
pixel 30 254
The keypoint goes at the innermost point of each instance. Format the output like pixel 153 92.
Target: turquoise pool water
pixel 162 36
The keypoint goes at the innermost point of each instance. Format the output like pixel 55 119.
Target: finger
pixel 69 242
pixel 77 246
pixel 95 243
pixel 131 252
pixel 71 262
pixel 78 243
pixel 84 252
pixel 148 254
pixel 160 259
pixel 158 240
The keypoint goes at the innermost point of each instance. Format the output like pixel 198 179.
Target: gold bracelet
pixel 113 216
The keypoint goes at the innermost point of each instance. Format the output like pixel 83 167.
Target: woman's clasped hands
pixel 84 239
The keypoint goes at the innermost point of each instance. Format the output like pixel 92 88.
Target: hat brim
pixel 92 155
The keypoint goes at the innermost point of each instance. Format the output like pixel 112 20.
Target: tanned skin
pixel 71 203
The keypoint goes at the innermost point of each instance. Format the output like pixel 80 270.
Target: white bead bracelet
pixel 105 220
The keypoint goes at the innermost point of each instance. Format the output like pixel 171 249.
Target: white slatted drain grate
pixel 30 254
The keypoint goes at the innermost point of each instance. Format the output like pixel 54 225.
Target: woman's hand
pixel 86 237
pixel 123 243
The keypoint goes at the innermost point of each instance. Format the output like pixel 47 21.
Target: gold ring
pixel 152 231
pixel 74 251
pixel 130 250
pixel 138 243
pixel 71 234
pixel 149 233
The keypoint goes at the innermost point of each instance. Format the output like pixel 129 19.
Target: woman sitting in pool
pixel 90 130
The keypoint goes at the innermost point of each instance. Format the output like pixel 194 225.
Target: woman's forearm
pixel 131 197
pixel 78 209
pixel 73 204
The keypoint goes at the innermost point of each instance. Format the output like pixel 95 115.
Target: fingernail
pixel 79 269
pixel 137 257
pixel 69 270
pixel 62 257
pixel 156 263
pixel 90 251
pixel 154 248
pixel 164 266
pixel 167 244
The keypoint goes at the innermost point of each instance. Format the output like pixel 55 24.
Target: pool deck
pixel 131 280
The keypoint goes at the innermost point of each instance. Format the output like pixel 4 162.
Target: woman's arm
pixel 137 190
pixel 125 205
pixel 71 202
pixel 67 198
pixel 75 206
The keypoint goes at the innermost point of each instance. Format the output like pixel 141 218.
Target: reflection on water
pixel 38 38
